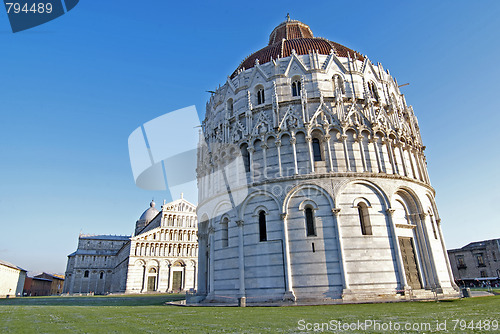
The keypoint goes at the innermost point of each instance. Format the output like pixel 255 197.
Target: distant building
pixel 162 255
pixel 37 286
pixel 476 262
pixel 11 280
pixel 56 287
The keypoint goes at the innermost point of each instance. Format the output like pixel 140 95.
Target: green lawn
pixel 131 314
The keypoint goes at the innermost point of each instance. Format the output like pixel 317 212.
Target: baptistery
pixel 313 183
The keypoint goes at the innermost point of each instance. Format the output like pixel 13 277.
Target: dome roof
pixel 294 35
pixel 150 213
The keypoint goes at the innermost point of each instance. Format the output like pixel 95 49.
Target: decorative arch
pixel 297 188
pixel 153 263
pixel 411 198
pixel 252 195
pixel 296 85
pixel 140 262
pixel 218 207
pixel 376 189
pixel 309 203
pixel 358 200
pixel 260 94
pixel 338 82
pixel 179 263
pixel 259 209
pixel 433 205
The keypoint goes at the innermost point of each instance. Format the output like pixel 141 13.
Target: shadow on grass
pixel 123 300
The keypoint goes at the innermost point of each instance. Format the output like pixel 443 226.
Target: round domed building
pixel 313 182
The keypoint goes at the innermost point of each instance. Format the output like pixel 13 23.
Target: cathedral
pixel 313 183
pixel 161 256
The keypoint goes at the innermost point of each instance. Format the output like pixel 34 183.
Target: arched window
pixel 260 96
pixel 364 219
pixel 86 273
pixel 101 275
pixel 296 88
pixel 230 107
pixel 310 223
pixel 262 226
pixel 316 149
pixel 224 231
pixel 246 157
pixel 338 84
pixel 373 91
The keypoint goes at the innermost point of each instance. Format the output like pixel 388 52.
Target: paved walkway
pixel 480 293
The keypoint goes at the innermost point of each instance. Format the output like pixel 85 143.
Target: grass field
pixel 132 314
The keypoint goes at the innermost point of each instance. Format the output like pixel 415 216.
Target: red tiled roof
pixel 294 35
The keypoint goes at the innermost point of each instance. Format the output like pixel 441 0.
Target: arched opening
pixel 296 88
pixel 246 157
pixel 310 222
pixel 178 278
pixel 260 96
pixel 152 273
pixel 338 84
pixel 230 107
pixel 86 273
pixel 364 219
pixel 373 91
pixel 262 226
pixel 225 232
pixel 316 149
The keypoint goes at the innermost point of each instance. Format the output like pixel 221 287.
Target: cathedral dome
pixel 294 35
pixel 150 213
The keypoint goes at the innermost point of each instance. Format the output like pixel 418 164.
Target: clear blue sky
pixel 72 90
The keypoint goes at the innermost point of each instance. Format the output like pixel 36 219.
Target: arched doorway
pixel 178 276
pixel 152 279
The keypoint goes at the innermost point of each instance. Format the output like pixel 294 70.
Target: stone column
pixel 421 248
pixel 202 263
pixel 362 152
pixel 412 166
pixel 341 252
pixel 346 153
pixel 278 147
pixel 195 274
pixel 419 168
pixel 289 294
pixel 426 173
pixel 401 153
pixel 264 156
pixel 251 150
pixel 326 140
pixel 391 155
pixel 211 246
pixel 169 279
pixel 311 155
pixel 241 257
pixel 158 278
pixel 445 253
pixel 397 249
pixel 435 279
pixel 293 141
pixel 183 287
pixel 144 280
pixel 374 141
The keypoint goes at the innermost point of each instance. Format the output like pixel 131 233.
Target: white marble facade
pixel 331 199
pixel 161 256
